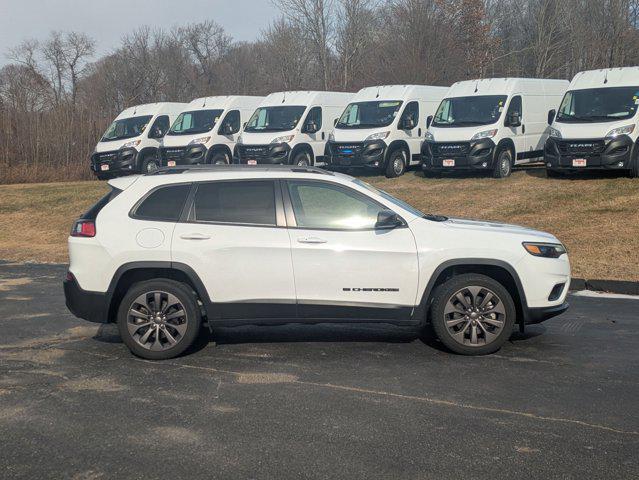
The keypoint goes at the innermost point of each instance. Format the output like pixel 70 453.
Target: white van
pixel 491 125
pixel 596 125
pixel 131 143
pixel 291 128
pixel 382 128
pixel 207 130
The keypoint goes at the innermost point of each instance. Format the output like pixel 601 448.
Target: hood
pixel 115 144
pixel 458 134
pixel 495 227
pixel 263 138
pixel 184 140
pixel 589 130
pixel 357 134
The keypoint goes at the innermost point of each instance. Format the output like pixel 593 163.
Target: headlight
pixel 554 133
pixel 377 136
pixel 547 250
pixel 132 143
pixel 331 137
pixel 615 132
pixel 283 139
pixel 485 134
pixel 199 140
pixel 429 136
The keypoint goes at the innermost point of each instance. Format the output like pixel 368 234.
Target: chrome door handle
pixel 195 236
pixel 311 240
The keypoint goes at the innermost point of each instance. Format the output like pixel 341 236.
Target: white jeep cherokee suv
pixel 164 253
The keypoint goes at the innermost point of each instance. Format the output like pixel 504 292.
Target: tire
pixel 396 165
pixel 454 324
pixel 150 164
pixel 182 329
pixel 634 170
pixel 302 159
pixel 220 158
pixel 503 163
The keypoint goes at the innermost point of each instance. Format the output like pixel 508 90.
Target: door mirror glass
pixel 228 129
pixel 310 127
pixel 551 116
pixel 429 120
pixel 388 219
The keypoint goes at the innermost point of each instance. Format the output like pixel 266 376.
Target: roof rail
pixel 236 167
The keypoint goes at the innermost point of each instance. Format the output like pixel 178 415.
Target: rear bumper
pixel 343 155
pixel 91 306
pixel 475 155
pixel 119 162
pixel 274 154
pixel 538 315
pixel 189 155
pixel 600 154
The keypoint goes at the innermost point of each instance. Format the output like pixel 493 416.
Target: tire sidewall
pixel 400 154
pixel 302 156
pixel 220 158
pixel 186 297
pixel 150 158
pixel 447 289
pixel 502 154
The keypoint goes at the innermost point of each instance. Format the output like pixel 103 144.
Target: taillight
pixel 83 228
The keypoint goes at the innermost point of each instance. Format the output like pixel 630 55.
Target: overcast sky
pixel 107 20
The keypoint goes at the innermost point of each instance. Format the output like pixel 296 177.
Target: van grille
pixel 450 149
pixel 581 147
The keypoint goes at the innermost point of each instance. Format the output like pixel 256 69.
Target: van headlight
pixel 554 133
pixel 547 250
pixel 377 136
pixel 132 143
pixel 429 136
pixel 484 134
pixel 282 139
pixel 615 132
pixel 199 140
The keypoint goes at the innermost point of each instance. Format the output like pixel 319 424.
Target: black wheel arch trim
pixel 142 154
pixel 219 147
pixel 305 147
pixel 422 309
pixel 503 143
pixel 394 145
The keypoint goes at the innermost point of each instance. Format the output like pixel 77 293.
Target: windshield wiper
pixel 434 218
pixel 565 116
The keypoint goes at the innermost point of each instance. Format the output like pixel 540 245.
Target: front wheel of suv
pixel 472 314
pixel 159 319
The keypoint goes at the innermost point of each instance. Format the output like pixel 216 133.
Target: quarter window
pixel 320 205
pixel 163 204
pixel 246 202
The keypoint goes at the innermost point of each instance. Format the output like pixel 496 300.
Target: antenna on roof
pixel 377 95
pixel 135 110
pixel 606 77
pixel 476 86
pixel 284 97
pixel 204 104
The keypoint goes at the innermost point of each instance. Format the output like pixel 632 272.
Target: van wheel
pixel 396 164
pixel 634 170
pixel 158 319
pixel 220 158
pixel 302 159
pixel 150 164
pixel 504 164
pixel 472 314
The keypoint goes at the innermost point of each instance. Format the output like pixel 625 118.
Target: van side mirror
pixel 227 129
pixel 156 132
pixel 429 120
pixel 551 116
pixel 387 219
pixel 514 120
pixel 408 123
pixel 310 127
pixel 335 121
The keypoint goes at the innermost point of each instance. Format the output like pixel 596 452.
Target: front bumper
pixel 189 155
pixel 91 306
pixel 346 155
pixel 115 162
pixel 474 155
pixel 538 315
pixel 599 154
pixel 273 154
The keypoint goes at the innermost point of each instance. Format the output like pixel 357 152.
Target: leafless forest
pixel 57 97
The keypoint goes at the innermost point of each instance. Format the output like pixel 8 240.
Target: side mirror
pixel 310 127
pixel 429 120
pixel 514 120
pixel 227 129
pixel 551 116
pixel 335 121
pixel 387 219
pixel 156 133
pixel 408 123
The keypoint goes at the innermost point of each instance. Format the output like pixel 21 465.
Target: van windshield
pixel 275 119
pixel 369 114
pixel 126 128
pixel 599 105
pixel 469 111
pixel 196 121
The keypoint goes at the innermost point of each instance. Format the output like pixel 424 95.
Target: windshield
pixel 275 119
pixel 369 114
pixel 469 111
pixel 126 128
pixel 196 121
pixel 599 105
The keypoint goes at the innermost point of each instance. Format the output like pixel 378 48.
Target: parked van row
pixel 485 125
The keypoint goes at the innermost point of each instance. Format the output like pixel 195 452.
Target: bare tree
pixel 355 32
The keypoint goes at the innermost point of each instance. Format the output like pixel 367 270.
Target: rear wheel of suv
pixel 472 314
pixel 396 163
pixel 159 319
pixel 220 158
pixel 503 164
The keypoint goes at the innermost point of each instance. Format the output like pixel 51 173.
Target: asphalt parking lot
pixel 321 401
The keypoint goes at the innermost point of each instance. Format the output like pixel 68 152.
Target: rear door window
pixel 163 204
